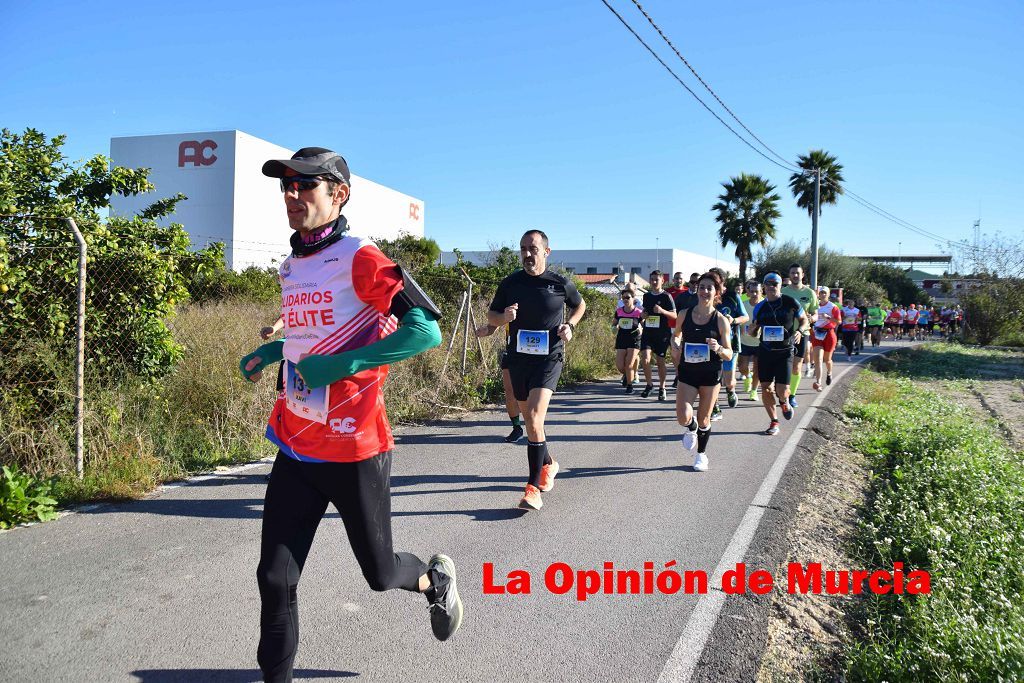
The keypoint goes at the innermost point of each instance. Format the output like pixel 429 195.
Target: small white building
pixel 231 201
pixel 620 262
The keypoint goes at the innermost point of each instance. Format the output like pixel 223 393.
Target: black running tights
pixel 849 341
pixel 297 498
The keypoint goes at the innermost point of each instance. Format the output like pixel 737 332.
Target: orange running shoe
pixel 547 477
pixel 531 498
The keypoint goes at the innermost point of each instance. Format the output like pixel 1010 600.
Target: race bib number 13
pixel 533 342
pixel 304 401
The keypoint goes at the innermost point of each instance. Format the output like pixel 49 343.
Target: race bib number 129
pixel 533 342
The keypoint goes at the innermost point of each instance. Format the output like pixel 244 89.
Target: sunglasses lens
pixel 301 184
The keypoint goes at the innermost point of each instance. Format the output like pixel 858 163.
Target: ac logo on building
pixel 414 211
pixel 195 153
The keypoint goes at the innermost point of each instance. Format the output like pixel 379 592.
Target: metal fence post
pixel 472 318
pixel 80 356
pixel 469 312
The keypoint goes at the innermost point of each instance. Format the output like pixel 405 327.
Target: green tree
pixel 134 264
pixel 409 251
pixel 802 184
pixel 898 286
pixel 746 212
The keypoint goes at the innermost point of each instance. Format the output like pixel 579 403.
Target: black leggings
pixel 849 340
pixel 296 500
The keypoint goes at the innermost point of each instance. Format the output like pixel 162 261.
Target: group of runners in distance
pixel 348 312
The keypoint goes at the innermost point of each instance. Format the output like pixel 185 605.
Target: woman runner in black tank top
pixel 700 342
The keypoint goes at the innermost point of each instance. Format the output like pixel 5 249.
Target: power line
pixel 785 165
pixel 906 224
pixel 706 86
pixel 689 90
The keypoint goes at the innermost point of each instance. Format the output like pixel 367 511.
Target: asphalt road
pixel 163 589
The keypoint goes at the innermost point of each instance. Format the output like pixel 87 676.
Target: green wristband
pixel 269 353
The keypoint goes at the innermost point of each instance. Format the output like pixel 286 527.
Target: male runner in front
pixel 808 300
pixel 342 300
pixel 532 302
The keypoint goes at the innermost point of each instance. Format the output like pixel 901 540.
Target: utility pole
pixel 657 253
pixel 814 228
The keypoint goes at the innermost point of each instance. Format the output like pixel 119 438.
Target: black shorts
pixel 700 374
pixel 534 373
pixel 658 344
pixel 774 366
pixel 627 340
pixel 748 351
pixel 800 350
pixel 908 326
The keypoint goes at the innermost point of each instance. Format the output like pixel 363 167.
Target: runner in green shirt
pixel 808 301
pixel 876 318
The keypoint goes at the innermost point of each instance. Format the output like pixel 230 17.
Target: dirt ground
pixel 806 632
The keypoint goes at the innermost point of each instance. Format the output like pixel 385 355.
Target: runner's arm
pixel 267 354
pixel 724 349
pixel 417 332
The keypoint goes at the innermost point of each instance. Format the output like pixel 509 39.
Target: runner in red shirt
pixel 348 312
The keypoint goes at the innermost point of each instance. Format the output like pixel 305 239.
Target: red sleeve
pixel 375 278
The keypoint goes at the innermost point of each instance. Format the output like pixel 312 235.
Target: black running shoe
pixel 732 398
pixel 828 380
pixel 662 394
pixel 445 604
pixel 629 388
pixel 647 391
pixel 515 435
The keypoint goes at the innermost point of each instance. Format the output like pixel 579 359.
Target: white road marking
pixel 683 660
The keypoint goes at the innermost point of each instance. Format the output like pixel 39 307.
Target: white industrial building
pixel 620 262
pixel 231 201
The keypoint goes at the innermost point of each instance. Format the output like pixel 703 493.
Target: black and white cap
pixel 310 161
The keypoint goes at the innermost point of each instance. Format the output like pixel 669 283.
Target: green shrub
pixel 24 498
pixel 993 309
pixel 947 496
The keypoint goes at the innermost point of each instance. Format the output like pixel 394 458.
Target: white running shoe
pixel 700 463
pixel 690 439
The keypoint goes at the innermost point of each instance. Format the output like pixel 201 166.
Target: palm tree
pixel 747 212
pixel 802 184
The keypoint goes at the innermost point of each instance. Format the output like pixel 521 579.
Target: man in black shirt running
pixel 531 302
pixel 659 319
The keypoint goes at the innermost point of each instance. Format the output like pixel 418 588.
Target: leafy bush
pixel 24 498
pixel 994 308
pixel 134 277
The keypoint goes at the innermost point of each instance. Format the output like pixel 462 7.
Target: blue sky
pixel 507 116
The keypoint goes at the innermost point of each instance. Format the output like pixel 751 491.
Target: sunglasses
pixel 771 284
pixel 302 183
